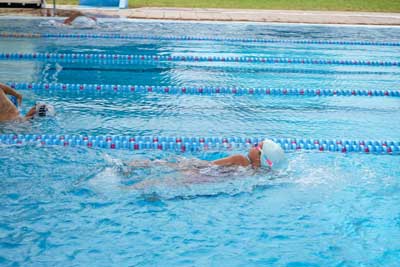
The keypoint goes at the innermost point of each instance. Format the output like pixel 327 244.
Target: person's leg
pixel 8 111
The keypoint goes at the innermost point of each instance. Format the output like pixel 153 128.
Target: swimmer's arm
pixel 9 91
pixel 30 113
pixel 71 18
pixel 237 160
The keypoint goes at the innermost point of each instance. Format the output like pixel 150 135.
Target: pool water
pixel 74 206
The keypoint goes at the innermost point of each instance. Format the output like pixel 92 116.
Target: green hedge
pixel 332 5
pixel 343 5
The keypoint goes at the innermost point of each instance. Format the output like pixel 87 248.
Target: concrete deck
pixel 206 14
pixel 267 16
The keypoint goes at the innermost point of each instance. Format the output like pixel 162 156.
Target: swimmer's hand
pixel 30 113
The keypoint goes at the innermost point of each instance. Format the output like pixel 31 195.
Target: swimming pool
pixel 67 206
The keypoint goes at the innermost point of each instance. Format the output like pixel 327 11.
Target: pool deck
pixel 213 14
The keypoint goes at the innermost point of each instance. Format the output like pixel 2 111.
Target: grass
pixel 331 5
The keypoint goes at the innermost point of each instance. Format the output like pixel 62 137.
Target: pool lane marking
pixel 196 90
pixel 89 58
pixel 219 69
pixel 194 144
pixel 194 38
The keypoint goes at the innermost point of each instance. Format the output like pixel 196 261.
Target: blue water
pixel 73 206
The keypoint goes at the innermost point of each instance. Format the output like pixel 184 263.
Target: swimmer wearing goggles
pixel 10 100
pixel 266 154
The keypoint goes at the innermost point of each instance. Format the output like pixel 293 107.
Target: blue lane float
pixel 88 58
pixel 195 90
pixel 192 38
pixel 193 144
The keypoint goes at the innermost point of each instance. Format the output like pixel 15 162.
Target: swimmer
pixel 265 155
pixel 80 18
pixel 9 110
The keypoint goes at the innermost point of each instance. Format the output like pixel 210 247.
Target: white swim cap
pixel 43 110
pixel 272 155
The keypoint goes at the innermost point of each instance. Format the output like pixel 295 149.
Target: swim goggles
pixel 265 161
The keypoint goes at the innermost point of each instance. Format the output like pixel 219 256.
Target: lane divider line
pixel 135 58
pixel 196 90
pixel 193 38
pixel 183 144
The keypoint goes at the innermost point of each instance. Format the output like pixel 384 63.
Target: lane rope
pixel 134 58
pixel 235 69
pixel 193 38
pixel 183 144
pixel 196 90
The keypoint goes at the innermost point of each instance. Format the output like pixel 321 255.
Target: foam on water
pixel 319 196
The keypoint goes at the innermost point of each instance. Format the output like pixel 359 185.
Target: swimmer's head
pixel 271 155
pixel 44 110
